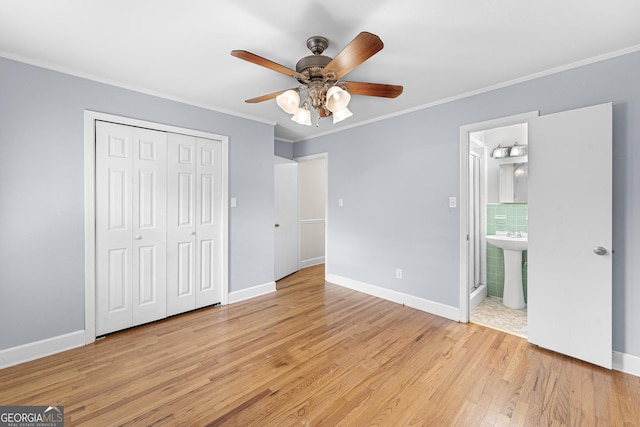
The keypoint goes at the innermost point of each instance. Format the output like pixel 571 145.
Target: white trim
pixel 442 310
pixel 626 363
pixel 90 118
pixel 465 131
pixel 35 350
pixel 497 86
pixel 89 228
pixel 248 293
pixel 304 263
pixel 311 157
pixel 559 69
pixel 134 88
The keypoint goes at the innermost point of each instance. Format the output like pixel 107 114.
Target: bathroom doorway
pixel 487 211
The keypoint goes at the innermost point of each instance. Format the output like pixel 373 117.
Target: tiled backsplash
pixel 504 217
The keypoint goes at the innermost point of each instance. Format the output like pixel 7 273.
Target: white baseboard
pixel 252 292
pixel 35 350
pixel 311 262
pixel 626 363
pixel 446 311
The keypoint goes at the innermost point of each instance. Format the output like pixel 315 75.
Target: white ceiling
pixel 436 49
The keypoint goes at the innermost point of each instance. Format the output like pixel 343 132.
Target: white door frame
pixel 465 132
pixel 324 156
pixel 90 118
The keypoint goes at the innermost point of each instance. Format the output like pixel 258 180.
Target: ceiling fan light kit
pixel 302 116
pixel 320 79
pixel 289 101
pixel 341 114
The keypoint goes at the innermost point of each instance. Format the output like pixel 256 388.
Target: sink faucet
pixel 514 234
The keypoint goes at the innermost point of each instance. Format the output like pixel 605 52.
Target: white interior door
pixel 286 217
pixel 130 226
pixel 194 229
pixel 570 215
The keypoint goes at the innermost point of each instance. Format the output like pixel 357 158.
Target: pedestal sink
pixel 513 296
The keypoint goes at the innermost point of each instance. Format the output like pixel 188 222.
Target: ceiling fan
pixel 320 79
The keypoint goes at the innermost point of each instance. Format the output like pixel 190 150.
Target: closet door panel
pixel 209 221
pixel 149 226
pixel 181 226
pixel 114 227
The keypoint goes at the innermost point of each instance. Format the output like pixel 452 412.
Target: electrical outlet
pixel 398 273
pixel 340 202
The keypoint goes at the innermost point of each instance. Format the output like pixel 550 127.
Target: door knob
pixel 599 250
pixel 193 233
pixel 138 237
pixel 277 225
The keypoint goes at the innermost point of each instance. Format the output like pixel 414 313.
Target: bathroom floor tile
pixel 493 314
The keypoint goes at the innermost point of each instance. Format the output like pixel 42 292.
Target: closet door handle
pixel 193 233
pixel 138 237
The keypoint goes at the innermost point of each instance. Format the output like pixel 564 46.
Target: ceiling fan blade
pixel 372 89
pixel 264 97
pixel 363 47
pixel 258 60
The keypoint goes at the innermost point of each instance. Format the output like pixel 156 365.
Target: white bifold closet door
pixel 194 242
pixel 131 208
pixel 159 225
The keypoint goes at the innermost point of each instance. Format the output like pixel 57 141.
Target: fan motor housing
pixel 312 66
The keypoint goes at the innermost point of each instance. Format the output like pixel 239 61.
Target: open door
pixel 570 233
pixel 285 217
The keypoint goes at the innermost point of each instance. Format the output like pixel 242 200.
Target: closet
pixel 158 225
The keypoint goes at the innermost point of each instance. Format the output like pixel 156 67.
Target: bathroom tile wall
pixel 504 217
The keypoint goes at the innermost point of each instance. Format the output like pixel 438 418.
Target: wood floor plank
pixel 317 354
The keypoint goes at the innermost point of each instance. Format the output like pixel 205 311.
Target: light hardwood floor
pixel 316 354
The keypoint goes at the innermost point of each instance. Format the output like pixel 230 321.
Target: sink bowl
pixel 509 243
pixel 513 295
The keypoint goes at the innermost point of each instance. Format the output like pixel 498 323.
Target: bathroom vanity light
pixel 500 152
pixel 515 150
pixel 518 150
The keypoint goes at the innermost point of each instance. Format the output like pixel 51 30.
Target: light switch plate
pixel 234 202
pixel 453 202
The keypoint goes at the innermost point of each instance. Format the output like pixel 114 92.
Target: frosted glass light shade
pixel 289 101
pixel 337 99
pixel 341 114
pixel 302 116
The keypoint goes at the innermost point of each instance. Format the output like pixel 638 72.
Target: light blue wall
pixel 283 149
pixel 396 177
pixel 41 193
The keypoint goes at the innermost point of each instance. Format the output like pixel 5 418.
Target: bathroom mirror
pixel 513 183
